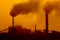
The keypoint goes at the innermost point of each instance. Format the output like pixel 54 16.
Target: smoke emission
pixel 49 7
pixel 24 8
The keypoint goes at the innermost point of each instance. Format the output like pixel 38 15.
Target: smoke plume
pixel 24 8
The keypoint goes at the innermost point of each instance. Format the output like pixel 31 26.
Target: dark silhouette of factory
pixel 19 30
pixel 20 33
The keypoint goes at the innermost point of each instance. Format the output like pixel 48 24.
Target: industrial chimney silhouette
pixel 13 28
pixel 48 8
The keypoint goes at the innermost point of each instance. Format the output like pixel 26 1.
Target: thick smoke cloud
pixel 54 5
pixel 24 8
pixel 48 8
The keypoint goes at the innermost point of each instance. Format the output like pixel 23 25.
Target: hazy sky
pixel 28 20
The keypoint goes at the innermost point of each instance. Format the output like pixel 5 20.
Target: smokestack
pixel 13 28
pixel 48 8
pixel 46 16
pixel 13 22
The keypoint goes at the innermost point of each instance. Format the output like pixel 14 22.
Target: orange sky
pixel 28 20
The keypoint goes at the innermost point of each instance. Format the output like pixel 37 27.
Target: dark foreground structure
pixel 25 34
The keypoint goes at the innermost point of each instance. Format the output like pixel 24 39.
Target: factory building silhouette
pixel 19 30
